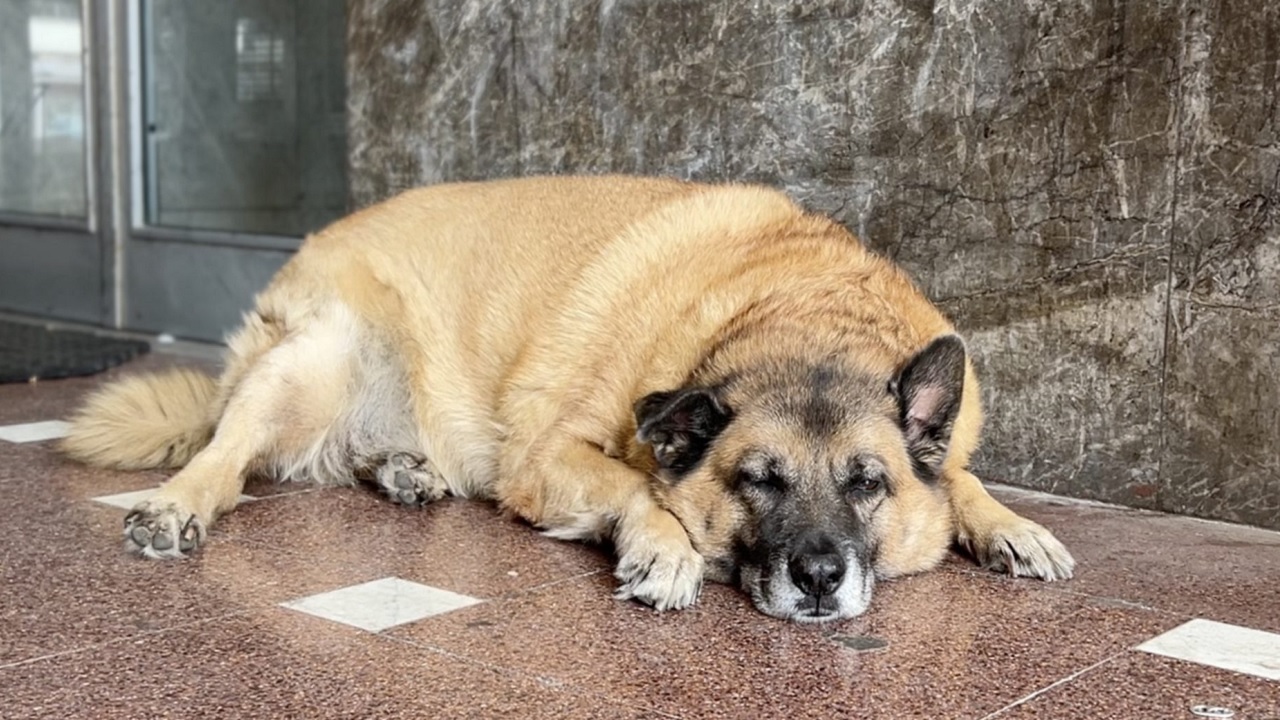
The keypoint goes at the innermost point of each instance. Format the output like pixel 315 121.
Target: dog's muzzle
pixel 816 582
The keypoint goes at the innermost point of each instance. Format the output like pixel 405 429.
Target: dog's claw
pixel 190 536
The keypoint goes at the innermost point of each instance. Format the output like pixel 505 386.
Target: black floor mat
pixel 32 351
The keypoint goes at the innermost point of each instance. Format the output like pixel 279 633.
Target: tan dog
pixel 721 384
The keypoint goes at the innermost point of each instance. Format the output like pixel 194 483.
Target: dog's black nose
pixel 817 574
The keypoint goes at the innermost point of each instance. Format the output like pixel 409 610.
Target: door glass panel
pixel 42 118
pixel 244 114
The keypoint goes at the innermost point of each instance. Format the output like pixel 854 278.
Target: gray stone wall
pixel 1090 188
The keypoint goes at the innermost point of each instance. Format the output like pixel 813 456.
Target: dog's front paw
pixel 659 567
pixel 160 529
pixel 1019 547
pixel 663 579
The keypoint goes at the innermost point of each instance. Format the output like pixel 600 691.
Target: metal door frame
pixel 130 275
pixel 190 283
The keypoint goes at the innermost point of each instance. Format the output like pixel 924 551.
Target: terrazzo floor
pixel 326 603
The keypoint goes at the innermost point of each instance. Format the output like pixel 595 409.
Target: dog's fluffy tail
pixel 147 421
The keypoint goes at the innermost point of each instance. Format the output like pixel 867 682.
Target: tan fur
pixel 498 335
pixel 140 422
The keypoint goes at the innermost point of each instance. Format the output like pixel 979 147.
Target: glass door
pixel 240 150
pixel 53 261
pixel 161 159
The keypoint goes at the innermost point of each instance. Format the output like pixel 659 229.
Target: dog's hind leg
pixel 277 416
pixel 408 478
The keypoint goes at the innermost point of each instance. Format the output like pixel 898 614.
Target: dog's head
pixel 802 481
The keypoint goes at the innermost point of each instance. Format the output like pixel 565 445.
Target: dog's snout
pixel 818 573
pixel 815 578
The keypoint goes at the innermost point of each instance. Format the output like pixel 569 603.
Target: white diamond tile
pixel 380 604
pixel 1229 647
pixel 34 432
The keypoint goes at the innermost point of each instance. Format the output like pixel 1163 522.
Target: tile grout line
pixel 1037 693
pixel 1122 603
pixel 1119 602
pixel 509 595
pixel 513 594
pixel 121 640
pixel 547 682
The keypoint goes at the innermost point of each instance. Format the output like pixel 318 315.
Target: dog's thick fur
pixel 716 381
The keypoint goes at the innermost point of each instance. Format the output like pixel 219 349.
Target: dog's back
pixel 439 289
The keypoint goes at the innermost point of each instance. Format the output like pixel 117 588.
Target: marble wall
pixel 1091 188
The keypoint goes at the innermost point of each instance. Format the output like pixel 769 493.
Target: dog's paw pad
pixel 162 530
pixel 408 479
pixel 1023 548
pixel 664 580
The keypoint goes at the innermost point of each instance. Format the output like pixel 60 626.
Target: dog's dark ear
pixel 680 425
pixel 928 389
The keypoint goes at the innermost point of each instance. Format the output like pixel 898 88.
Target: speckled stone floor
pixel 333 603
